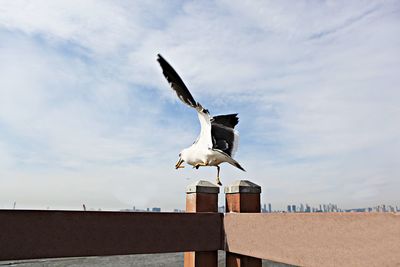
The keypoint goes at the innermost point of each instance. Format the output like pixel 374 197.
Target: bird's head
pixel 182 157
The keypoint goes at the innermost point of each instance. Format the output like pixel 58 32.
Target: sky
pixel 86 116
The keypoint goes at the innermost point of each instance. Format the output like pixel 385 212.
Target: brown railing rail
pixel 316 239
pixel 325 239
pixel 49 234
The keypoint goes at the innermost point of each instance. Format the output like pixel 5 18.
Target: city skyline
pixel 300 207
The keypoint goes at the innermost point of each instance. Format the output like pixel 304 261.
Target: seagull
pixel 218 140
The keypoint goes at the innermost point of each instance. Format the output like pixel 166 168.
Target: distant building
pixel 156 209
pixel 308 208
pixel 178 210
pixel 301 207
pixel 269 207
pixel 289 208
pixel 293 208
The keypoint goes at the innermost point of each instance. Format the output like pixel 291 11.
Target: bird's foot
pixel 179 165
pixel 198 165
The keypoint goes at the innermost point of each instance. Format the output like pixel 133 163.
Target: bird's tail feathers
pixel 236 164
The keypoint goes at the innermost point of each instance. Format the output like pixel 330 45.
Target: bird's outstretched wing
pixel 176 83
pixel 186 97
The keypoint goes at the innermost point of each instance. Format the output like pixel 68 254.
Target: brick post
pixel 243 197
pixel 202 196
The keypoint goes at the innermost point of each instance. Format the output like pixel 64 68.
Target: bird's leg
pixel 218 181
pixel 199 164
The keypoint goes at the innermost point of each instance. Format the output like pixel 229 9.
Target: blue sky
pixel 87 117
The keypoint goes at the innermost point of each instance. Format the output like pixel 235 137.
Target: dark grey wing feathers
pixel 223 138
pixel 176 83
pixel 223 133
pixel 230 120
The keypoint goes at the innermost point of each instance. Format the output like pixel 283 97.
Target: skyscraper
pixel 308 208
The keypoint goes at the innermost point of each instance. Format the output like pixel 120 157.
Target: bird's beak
pixel 179 164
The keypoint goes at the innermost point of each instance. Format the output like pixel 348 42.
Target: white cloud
pixel 100 26
pixel 315 84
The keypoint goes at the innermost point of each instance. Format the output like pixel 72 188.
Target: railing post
pixel 243 197
pixel 202 196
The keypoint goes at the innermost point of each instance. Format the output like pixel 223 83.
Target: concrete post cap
pixel 242 186
pixel 202 186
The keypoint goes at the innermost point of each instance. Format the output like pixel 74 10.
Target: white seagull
pixel 218 140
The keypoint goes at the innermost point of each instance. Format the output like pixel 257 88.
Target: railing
pixel 323 239
pixel 52 234
pixel 317 239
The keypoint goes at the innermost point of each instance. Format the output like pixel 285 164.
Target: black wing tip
pixel 163 62
pixel 160 59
